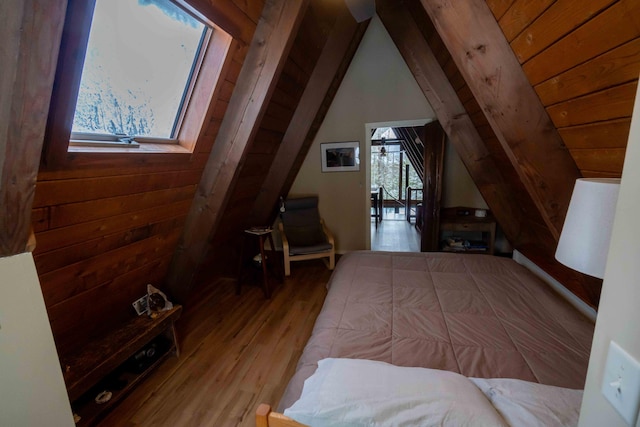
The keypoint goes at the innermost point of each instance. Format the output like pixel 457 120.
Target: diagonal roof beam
pixel 452 115
pixel 265 59
pixel 338 48
pixel 518 118
pixel 414 152
pixel 30 32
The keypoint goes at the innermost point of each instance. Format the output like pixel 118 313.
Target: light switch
pixel 621 383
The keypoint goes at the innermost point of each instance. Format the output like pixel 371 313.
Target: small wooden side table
pixel 451 220
pixel 261 233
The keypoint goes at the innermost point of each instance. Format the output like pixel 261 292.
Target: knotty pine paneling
pixel 74 279
pixel 104 232
pixel 619 65
pixel 267 141
pixel 520 15
pixel 612 27
pixel 252 8
pixel 499 7
pixel 607 104
pixel 475 113
pixel 49 193
pixel 69 255
pixel 123 166
pixel 93 313
pixel 75 213
pixel 608 160
pixel 559 19
pixel 65 236
pixel 583 60
pixel 599 135
pixel 260 154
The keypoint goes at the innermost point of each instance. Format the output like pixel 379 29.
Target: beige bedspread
pixel 478 315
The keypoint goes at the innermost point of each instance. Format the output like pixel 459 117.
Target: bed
pixel 475 315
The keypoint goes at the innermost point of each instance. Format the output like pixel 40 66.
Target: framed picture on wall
pixel 340 156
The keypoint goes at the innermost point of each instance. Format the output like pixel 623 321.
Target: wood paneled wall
pixel 308 44
pixel 583 60
pixel 582 65
pixel 104 232
pixel 534 230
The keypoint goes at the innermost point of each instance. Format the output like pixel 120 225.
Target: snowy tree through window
pixel 141 58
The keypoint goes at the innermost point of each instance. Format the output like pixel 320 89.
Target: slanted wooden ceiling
pixel 525 130
pixel 531 94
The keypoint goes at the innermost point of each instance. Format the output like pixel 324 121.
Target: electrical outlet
pixel 621 383
pixel 141 305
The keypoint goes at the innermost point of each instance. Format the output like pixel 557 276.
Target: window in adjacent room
pixel 141 63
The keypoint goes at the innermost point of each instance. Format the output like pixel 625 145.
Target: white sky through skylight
pixel 138 62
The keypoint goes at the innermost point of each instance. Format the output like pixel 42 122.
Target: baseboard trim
pixel 580 305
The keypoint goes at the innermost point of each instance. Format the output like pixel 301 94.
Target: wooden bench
pixel 110 355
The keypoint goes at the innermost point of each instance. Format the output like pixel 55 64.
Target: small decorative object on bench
pixel 102 372
pixel 157 301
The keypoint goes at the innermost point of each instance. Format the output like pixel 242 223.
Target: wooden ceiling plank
pixel 520 16
pixel 594 37
pixel 511 106
pixel 499 7
pixel 452 116
pixel 313 97
pixel 604 160
pixel 608 134
pixel 612 68
pixel 561 18
pixel 612 103
pixel 30 32
pixel 269 49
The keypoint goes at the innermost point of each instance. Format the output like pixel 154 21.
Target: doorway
pixel 395 161
pixel 399 161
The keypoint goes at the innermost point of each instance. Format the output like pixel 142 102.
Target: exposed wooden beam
pixel 434 138
pixel 257 80
pixel 30 31
pixel 452 116
pixel 514 111
pixel 333 55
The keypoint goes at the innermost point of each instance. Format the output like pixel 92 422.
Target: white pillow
pixel 523 403
pixel 349 392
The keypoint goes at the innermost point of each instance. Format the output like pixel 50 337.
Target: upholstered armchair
pixel 304 234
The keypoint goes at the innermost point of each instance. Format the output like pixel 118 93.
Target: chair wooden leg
pixel 265 274
pixel 287 264
pixel 332 260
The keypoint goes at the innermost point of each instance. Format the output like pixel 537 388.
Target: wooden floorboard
pixel 236 352
pixel 394 234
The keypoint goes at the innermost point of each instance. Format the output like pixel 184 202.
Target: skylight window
pixel 141 62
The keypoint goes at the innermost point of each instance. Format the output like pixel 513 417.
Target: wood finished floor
pixel 236 352
pixel 394 235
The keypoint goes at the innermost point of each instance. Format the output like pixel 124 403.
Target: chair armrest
pixel 285 241
pixel 328 233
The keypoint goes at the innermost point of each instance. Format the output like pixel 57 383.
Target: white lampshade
pixel 361 9
pixel 585 237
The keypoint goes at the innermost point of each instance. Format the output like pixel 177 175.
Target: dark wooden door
pixel 433 137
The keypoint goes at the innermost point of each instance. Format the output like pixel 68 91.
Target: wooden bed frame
pixel 267 418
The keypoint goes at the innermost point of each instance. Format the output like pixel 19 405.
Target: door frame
pixel 367 161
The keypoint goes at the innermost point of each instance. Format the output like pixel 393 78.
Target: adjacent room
pixel 319 212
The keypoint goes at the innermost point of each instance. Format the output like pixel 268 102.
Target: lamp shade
pixel 585 237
